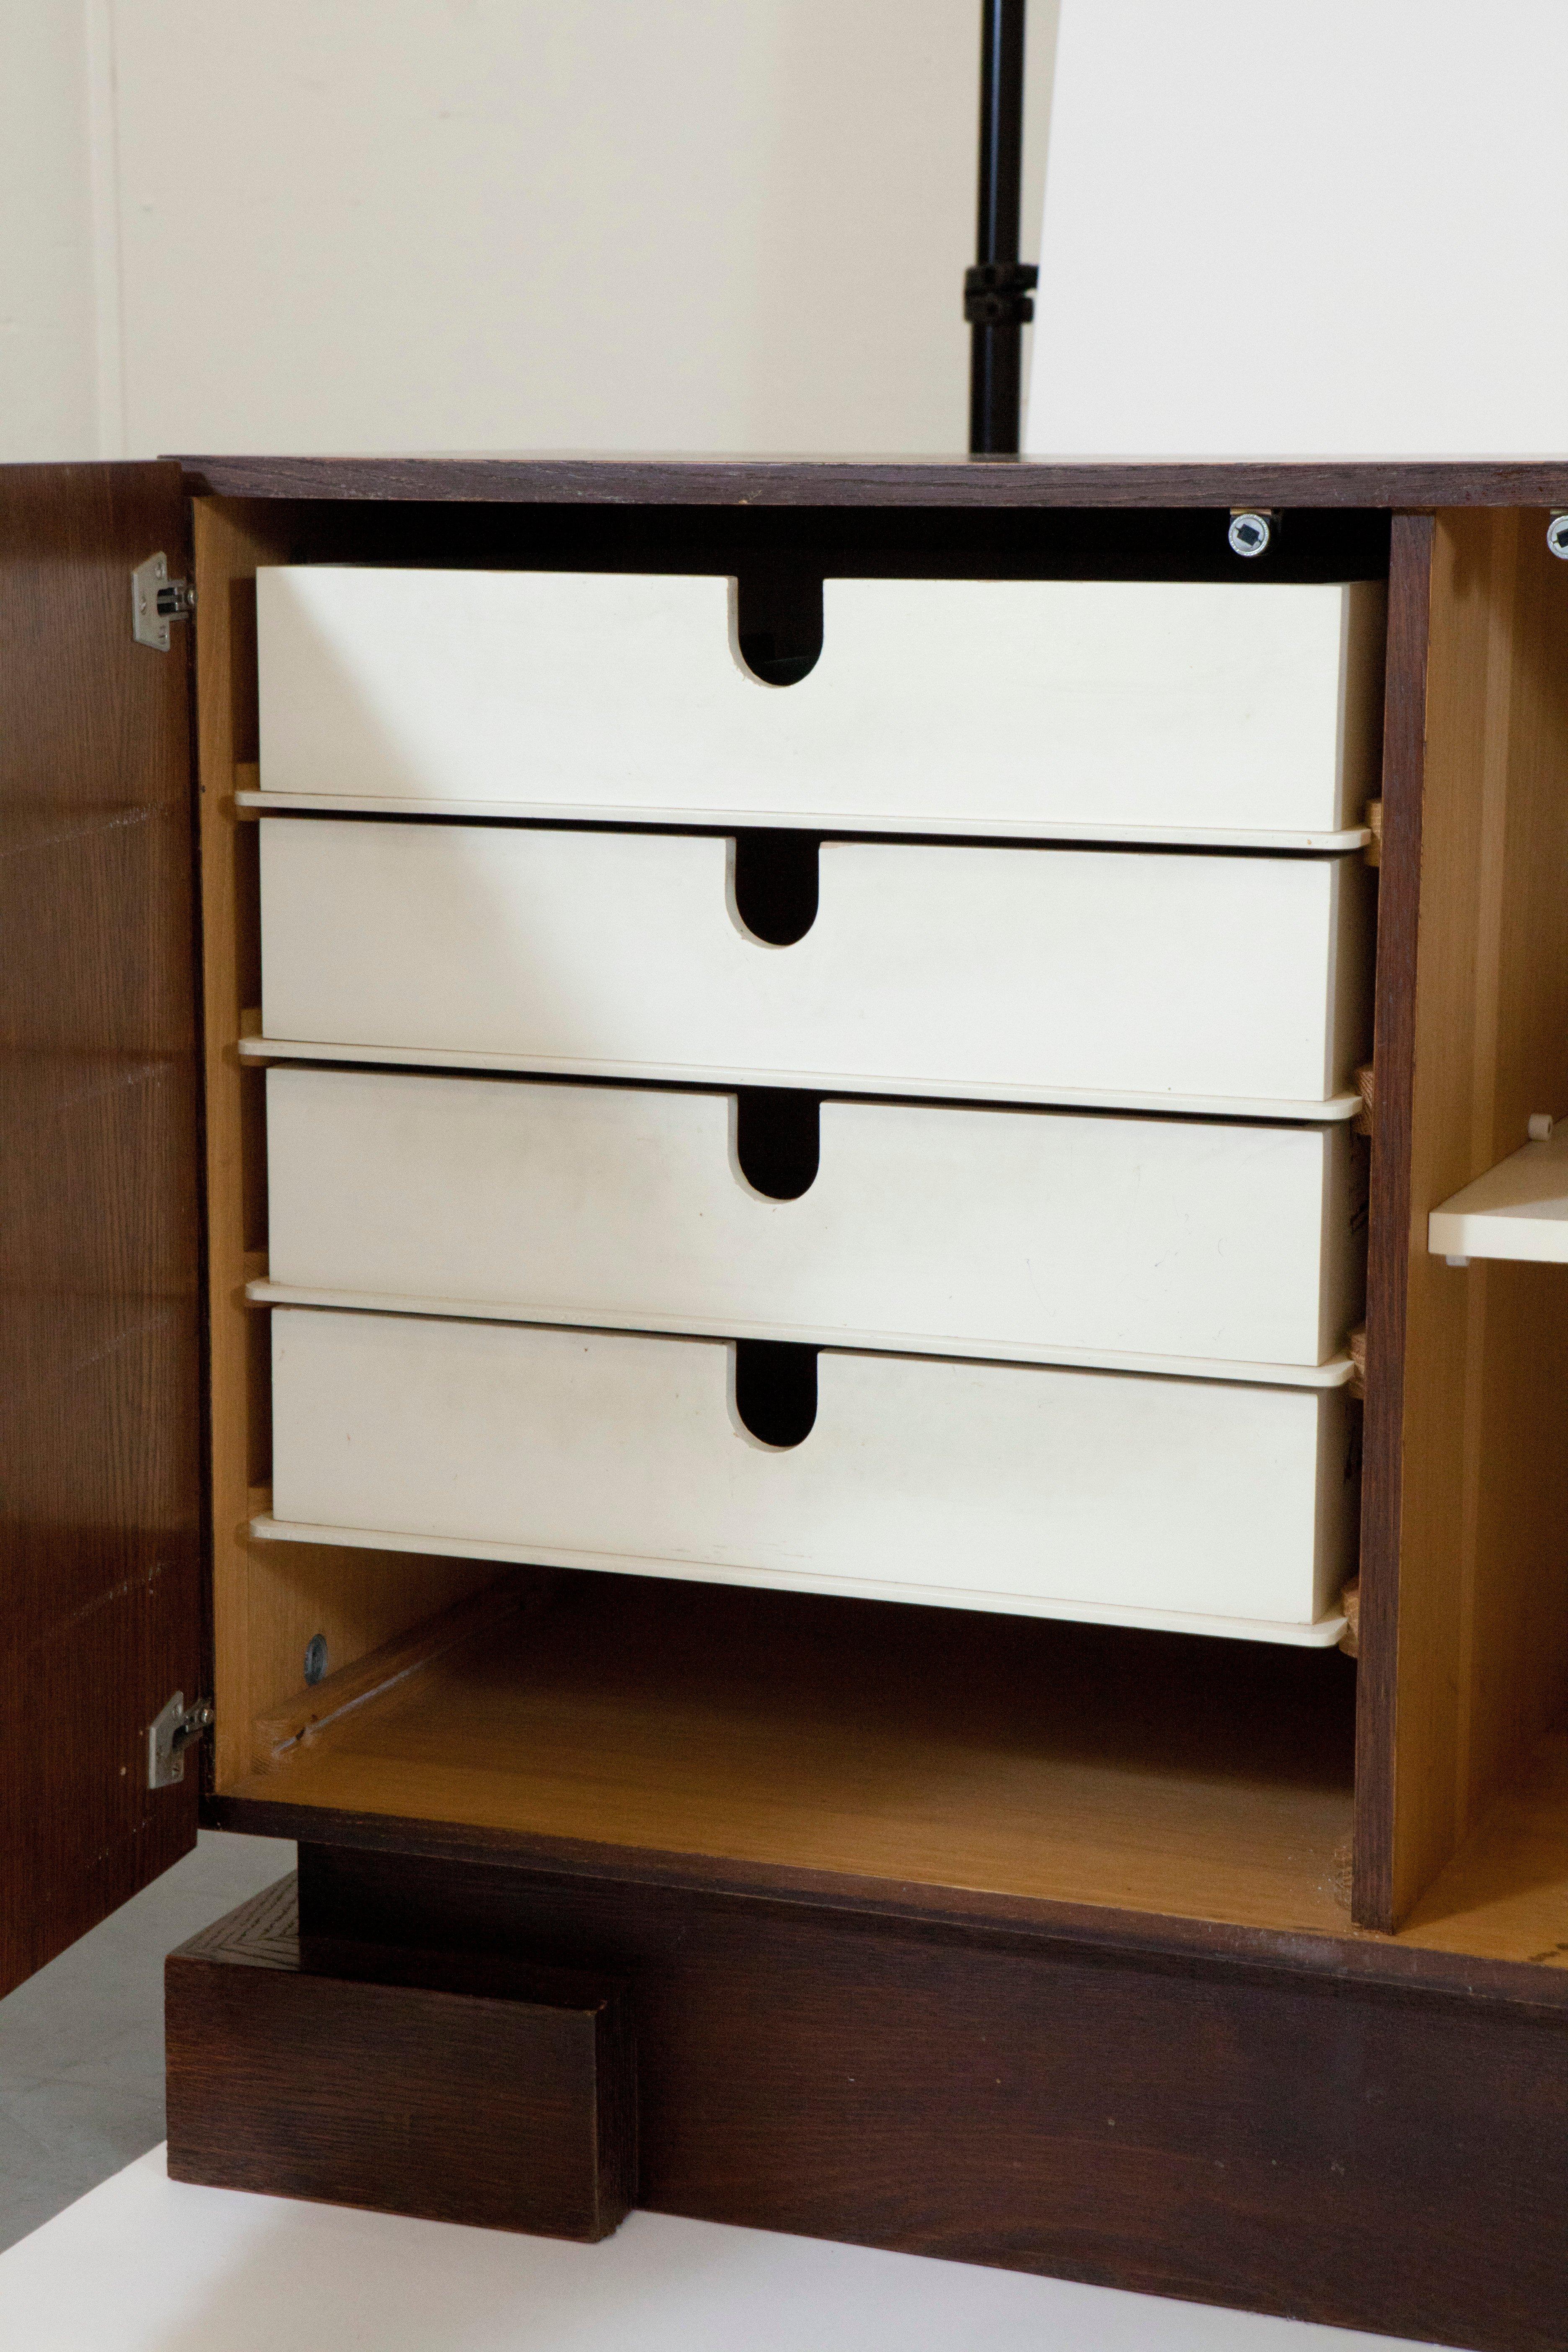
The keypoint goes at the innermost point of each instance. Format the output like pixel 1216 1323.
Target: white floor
pixel 143 2264
pixel 81 2044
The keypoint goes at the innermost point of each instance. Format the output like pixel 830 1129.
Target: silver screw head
pixel 1250 532
pixel 1557 536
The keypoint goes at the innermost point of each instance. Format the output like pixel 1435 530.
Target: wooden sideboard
pixel 693 1818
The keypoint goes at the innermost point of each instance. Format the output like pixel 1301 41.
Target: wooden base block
pixel 423 2083
pixel 1358 2136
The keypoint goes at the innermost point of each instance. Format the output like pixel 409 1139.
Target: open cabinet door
pixel 101 1534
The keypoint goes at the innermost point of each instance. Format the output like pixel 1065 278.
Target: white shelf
pixel 951 826
pixel 1335 1373
pixel 1517 1210
pixel 256 1048
pixel 1322 1635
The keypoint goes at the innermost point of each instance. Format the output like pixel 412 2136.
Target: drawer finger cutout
pixel 1219 711
pixel 947 1230
pixel 1182 981
pixel 1018 1487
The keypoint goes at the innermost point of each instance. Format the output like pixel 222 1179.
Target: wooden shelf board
pixel 258 1048
pixel 1321 1635
pixel 924 1748
pixel 931 1747
pixel 1338 1372
pixel 252 801
pixel 1517 1210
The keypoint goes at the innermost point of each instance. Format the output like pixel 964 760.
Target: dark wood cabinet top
pixel 568 479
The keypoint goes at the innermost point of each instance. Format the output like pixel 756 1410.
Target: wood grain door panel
pixel 100 1257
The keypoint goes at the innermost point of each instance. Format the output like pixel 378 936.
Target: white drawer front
pixel 1216 709
pixel 961 1230
pixel 1102 975
pixel 1003 1485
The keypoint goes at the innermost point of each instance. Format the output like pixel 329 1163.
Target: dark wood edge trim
pixel 1388 1232
pixel 1146 1937
pixel 575 477
pixel 264 1933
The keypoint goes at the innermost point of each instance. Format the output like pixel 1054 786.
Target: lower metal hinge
pixel 169 1735
pixel 156 601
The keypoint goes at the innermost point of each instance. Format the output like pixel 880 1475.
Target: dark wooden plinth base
pixel 457 2090
pixel 1284 2138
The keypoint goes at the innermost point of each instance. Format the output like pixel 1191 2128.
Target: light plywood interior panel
pixel 1483 1580
pixel 1504 1896
pixel 1141 1772
pixel 926 1747
pixel 1160 1772
pixel 265 1609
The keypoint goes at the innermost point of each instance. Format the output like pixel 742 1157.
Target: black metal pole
pixel 996 290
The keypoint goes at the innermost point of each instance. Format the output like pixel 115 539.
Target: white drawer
pixel 1229 711
pixel 1039 1490
pixel 1148 979
pixel 1022 1233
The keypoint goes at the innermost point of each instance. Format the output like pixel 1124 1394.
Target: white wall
pixel 1336 229
pixel 48 388
pixel 368 224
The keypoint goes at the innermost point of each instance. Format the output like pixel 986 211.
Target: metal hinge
pixel 155 600
pixel 169 1735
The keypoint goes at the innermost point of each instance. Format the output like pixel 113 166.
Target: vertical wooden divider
pixel 1465 1524
pixel 1388 1228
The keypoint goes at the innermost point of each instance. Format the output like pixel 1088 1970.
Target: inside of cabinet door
pixel 1211 1779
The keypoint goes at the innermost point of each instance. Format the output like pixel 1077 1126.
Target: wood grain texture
pixel 990 483
pixel 100 1318
pixel 324 1703
pixel 459 2089
pixel 1465 1577
pixel 1509 1970
pixel 1185 2124
pixel 1504 1896
pixel 927 1746
pixel 265 1609
pixel 933 1765
pixel 1388 1218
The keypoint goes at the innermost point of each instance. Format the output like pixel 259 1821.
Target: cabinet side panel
pixel 1479 1653
pixel 265 1609
pixel 100 1318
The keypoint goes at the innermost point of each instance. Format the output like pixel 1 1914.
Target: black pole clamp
pixel 996 293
